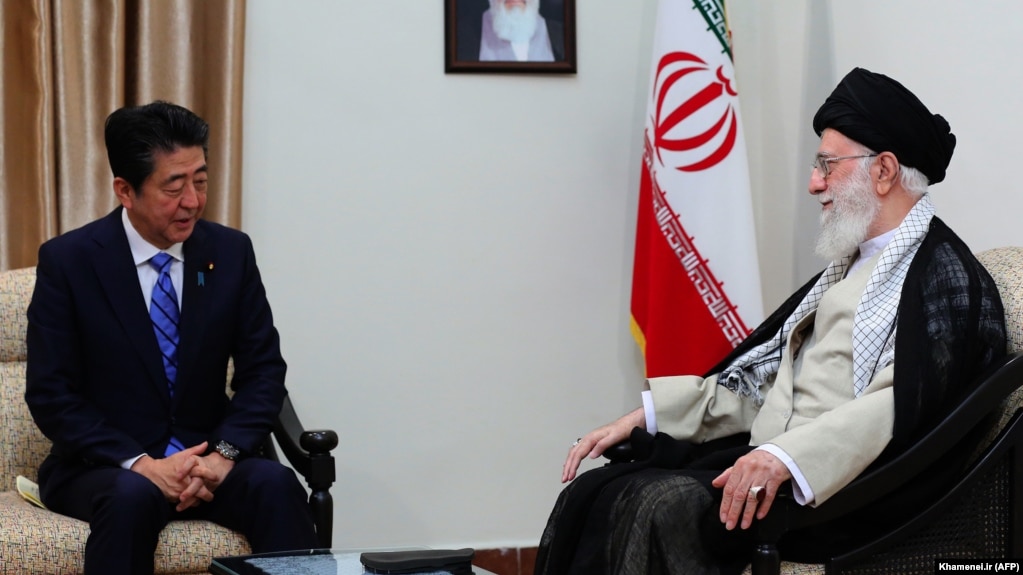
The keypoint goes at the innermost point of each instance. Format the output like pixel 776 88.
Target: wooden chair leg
pixel 766 560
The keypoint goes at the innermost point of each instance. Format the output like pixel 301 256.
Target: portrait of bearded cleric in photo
pixel 510 30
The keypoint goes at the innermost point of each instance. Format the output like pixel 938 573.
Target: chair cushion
pixel 35 541
pixel 1004 265
pixel 789 568
pixel 24 446
pixel 15 292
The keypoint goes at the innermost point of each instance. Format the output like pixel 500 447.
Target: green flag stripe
pixel 713 12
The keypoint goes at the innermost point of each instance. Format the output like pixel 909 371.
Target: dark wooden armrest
pixel 308 451
pixel 620 452
pixel 996 384
pixel 303 447
pixel 786 515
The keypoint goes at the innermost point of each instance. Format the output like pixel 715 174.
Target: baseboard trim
pixel 506 560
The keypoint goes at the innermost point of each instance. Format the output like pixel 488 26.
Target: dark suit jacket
pixel 95 381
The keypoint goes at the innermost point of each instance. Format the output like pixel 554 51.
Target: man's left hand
pixel 211 470
pixel 757 468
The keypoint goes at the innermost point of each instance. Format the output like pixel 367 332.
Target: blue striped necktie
pixel 163 310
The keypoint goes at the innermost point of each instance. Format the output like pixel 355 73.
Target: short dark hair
pixel 134 133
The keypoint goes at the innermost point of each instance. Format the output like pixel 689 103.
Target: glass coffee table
pixel 308 562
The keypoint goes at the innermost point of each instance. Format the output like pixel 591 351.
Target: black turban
pixel 883 115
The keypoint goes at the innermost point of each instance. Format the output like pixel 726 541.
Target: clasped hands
pixel 187 477
pixel 738 503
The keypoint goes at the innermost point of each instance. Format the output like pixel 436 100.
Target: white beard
pixel 515 25
pixel 845 226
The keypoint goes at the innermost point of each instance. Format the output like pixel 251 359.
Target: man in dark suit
pixel 128 380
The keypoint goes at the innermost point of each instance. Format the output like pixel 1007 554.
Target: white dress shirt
pixel 142 251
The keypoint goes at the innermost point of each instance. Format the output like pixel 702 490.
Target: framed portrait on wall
pixel 509 36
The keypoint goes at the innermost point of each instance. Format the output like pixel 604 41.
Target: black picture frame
pixel 463 22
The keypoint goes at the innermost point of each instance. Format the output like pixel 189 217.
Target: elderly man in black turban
pixel 847 373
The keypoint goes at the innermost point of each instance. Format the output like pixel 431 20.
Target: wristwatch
pixel 227 450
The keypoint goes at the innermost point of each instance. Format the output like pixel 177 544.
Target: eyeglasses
pixel 821 162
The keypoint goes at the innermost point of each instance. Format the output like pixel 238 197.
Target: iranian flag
pixel 696 281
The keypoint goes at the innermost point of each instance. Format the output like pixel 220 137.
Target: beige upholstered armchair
pixel 37 541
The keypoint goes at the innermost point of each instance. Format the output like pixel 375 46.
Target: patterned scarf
pixel 874 322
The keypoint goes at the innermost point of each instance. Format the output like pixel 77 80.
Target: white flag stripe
pixel 713 205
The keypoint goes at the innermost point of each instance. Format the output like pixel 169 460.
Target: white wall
pixel 960 58
pixel 449 256
pixel 446 256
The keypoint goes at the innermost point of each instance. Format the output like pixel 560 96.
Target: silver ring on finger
pixel 577 441
pixel 756 493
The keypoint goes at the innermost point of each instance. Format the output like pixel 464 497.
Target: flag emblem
pixel 685 71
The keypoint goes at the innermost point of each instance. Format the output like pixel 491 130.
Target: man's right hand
pixel 594 443
pixel 178 476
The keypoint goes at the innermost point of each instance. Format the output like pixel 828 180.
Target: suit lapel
pixel 197 283
pixel 119 278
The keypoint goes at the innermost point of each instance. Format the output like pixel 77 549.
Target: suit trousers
pixel 261 499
